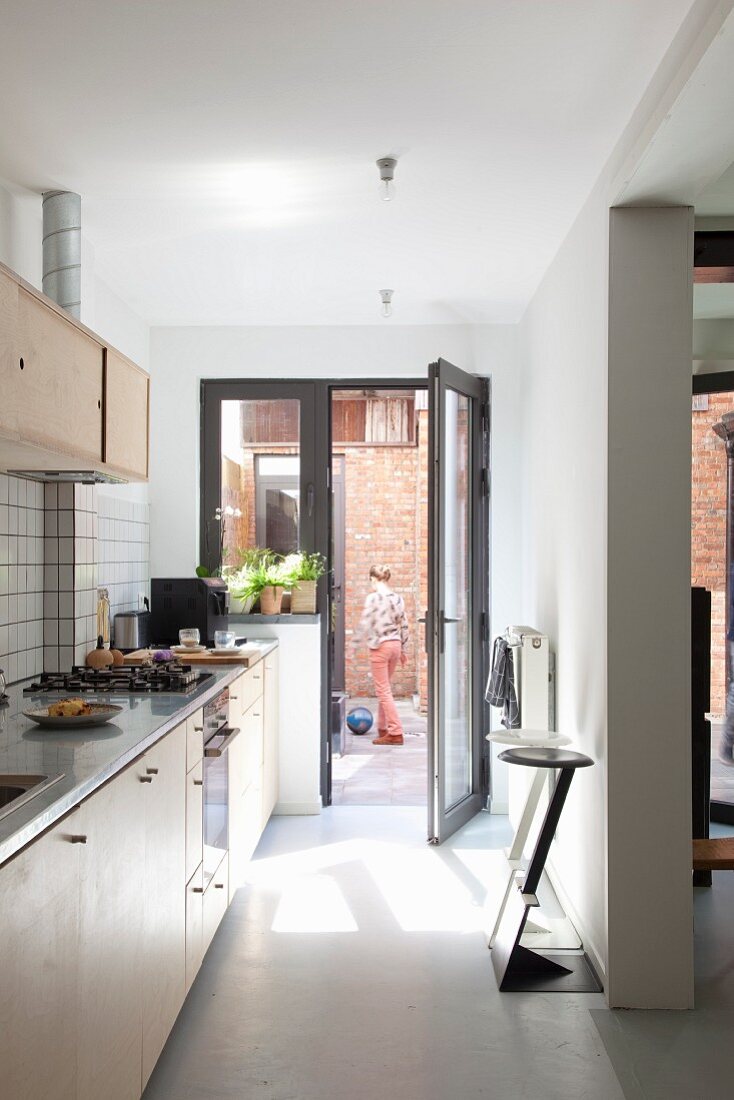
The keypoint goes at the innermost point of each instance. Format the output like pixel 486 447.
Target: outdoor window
pixel 260 476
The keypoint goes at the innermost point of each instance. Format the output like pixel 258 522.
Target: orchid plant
pixel 221 515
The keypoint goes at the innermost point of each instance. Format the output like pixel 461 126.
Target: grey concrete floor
pixel 354 964
pixel 382 775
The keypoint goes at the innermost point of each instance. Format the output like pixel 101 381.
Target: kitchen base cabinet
pixel 111 891
pixel 216 901
pixel 271 714
pixel 194 925
pixel 194 819
pixel 164 911
pixel 39 956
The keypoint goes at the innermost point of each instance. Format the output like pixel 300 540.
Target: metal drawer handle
pixel 198 729
pixel 198 889
pixel 198 782
pixel 218 885
pixel 234 696
pixel 78 838
pixel 146 778
pixel 151 771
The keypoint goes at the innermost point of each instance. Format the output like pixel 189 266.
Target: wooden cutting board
pixel 243 655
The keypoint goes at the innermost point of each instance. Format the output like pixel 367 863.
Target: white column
pixel 650 925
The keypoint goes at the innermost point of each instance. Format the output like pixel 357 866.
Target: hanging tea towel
pixel 501 685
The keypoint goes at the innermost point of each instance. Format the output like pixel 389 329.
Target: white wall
pixel 563 340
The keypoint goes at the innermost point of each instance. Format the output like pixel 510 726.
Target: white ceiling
pixel 225 150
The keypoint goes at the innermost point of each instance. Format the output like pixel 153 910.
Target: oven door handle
pixel 229 735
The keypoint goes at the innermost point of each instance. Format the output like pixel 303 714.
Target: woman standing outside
pixel 384 626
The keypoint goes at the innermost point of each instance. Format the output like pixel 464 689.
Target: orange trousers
pixel 384 661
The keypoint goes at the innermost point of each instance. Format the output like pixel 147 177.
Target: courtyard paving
pixel 382 775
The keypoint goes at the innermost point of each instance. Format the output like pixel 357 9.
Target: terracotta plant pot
pixel 303 598
pixel 271 598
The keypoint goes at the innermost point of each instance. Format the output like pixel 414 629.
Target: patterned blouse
pixel 384 620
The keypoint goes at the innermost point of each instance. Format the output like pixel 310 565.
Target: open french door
pixel 457 617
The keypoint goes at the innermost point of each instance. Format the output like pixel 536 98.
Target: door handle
pixel 309 499
pixel 442 620
pixel 424 619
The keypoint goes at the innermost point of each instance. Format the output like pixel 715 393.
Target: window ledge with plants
pixel 264 582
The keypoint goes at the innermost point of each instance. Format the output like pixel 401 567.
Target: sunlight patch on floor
pixel 425 889
pixel 313 904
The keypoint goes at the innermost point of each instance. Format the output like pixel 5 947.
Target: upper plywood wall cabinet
pixel 68 400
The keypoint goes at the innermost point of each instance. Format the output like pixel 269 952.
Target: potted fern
pixel 265 581
pixel 303 572
pixel 237 576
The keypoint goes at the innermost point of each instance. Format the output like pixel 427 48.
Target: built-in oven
pixel 218 736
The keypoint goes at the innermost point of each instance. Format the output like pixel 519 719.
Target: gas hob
pixel 168 677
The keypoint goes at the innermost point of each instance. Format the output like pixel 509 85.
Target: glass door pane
pixel 260 477
pixel 458 535
pixel 456 697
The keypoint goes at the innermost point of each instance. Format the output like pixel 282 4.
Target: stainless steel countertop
pixel 87 757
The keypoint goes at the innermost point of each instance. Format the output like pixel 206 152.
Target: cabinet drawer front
pixel 126 415
pixel 237 696
pixel 245 832
pixel 253 686
pixel 194 739
pixel 60 393
pixel 216 900
pixel 194 925
pixel 253 734
pixel 194 818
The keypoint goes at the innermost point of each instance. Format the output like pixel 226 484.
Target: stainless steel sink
pixel 17 788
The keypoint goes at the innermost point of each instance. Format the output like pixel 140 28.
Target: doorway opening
pixel 379 479
pixel 712 451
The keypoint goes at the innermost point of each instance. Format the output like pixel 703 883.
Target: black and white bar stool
pixel 529 738
pixel 517 968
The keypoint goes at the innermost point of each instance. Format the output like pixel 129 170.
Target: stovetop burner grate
pixel 169 676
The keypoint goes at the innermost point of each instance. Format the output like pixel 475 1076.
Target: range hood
pixel 86 477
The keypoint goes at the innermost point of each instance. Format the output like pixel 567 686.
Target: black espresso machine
pixel 177 603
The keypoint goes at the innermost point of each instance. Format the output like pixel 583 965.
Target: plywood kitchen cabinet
pixel 60 375
pixel 9 369
pixel 194 818
pixel 127 394
pixel 69 401
pixel 216 900
pixel 164 908
pixel 39 962
pixel 271 763
pixel 112 883
pixel 194 924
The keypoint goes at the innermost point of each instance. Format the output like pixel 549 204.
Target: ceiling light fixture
pixel 387 174
pixel 386 298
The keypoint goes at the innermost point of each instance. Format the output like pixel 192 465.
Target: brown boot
pixel 388 739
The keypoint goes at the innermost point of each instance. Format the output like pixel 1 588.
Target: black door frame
pixel 717 382
pixel 315 501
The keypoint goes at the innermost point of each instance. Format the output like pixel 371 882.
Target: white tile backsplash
pixel 57 543
pixel 123 551
pixel 21 577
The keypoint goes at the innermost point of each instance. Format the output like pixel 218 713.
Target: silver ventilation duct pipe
pixel 62 249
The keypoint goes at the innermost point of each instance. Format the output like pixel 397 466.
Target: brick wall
pixel 386 516
pixel 708 531
pixel 383 525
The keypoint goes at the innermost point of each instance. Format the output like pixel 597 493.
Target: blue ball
pixel 360 720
